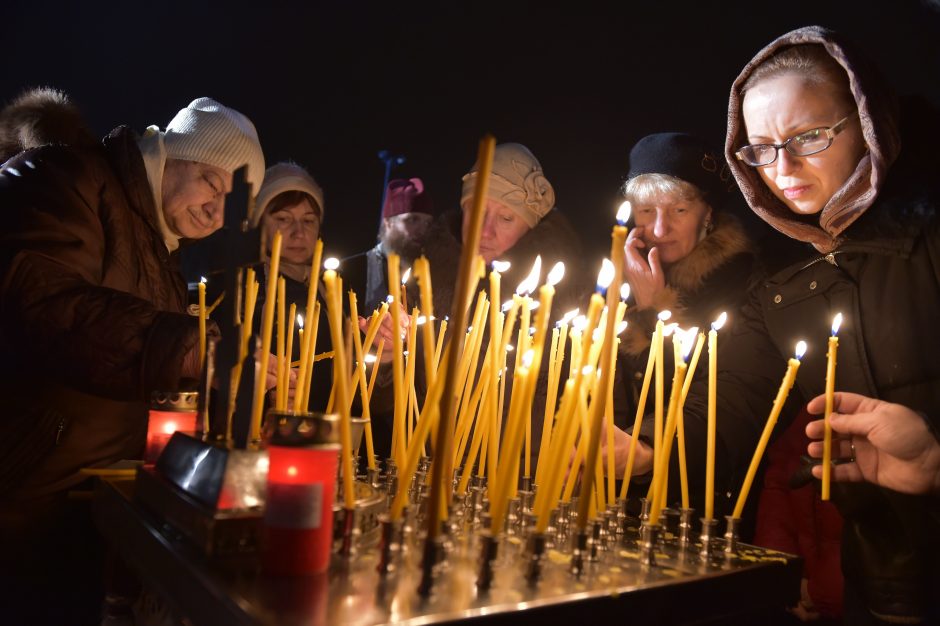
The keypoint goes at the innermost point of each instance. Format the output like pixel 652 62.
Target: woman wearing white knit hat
pixel 94 320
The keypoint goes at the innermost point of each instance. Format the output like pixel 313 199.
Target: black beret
pixel 687 158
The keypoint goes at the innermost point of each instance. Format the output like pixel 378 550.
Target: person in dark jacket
pixel 93 319
pixel 686 252
pixel 407 215
pixel 815 145
pixel 291 202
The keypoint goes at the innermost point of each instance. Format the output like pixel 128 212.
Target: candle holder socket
pixel 578 553
pixel 731 535
pixel 685 527
pixel 709 526
pixel 535 550
pixel 489 551
pixel 391 544
pixel 649 537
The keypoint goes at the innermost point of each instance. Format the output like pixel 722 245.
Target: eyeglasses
pixel 804 144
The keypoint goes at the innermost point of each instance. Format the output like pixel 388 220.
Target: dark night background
pixel 328 85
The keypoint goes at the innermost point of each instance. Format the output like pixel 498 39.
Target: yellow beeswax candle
pixel 202 323
pixel 335 314
pixel 712 415
pixel 267 327
pixel 830 398
pixel 788 379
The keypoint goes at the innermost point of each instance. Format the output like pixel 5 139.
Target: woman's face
pixel 672 224
pixel 779 108
pixel 299 225
pixel 502 228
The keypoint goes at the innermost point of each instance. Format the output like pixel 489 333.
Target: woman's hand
pixel 385 331
pixel 645 276
pixel 642 461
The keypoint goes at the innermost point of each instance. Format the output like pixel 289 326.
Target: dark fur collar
pixel 726 241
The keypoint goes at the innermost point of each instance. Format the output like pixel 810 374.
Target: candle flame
pixel 527 358
pixel 406 276
pixel 836 324
pixel 506 306
pixel 596 335
pixel 510 347
pixel 203 279
pixel 531 281
pixel 389 299
pixel 800 350
pixel 169 427
pixel 535 304
pixel 688 341
pixel 622 326
pixel 500 267
pixel 587 370
pixel 300 320
pixel 623 213
pixel 625 292
pixel 557 273
pixel 579 323
pixel 531 330
pixel 291 471
pixel 331 263
pixel 570 315
pixel 664 315
pixel 605 276
pixel 718 323
pixel 421 320
pixel 668 329
pixel 369 358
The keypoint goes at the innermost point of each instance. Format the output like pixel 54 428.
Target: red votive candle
pixel 169 412
pixel 298 514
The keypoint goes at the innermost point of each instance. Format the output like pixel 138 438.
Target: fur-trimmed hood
pixel 877 110
pixel 42 116
pixel 727 248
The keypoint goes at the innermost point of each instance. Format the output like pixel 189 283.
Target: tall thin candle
pixel 830 398
pixel 712 415
pixel 789 378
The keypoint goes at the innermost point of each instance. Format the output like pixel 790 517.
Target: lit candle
pixel 202 323
pixel 288 355
pixel 281 361
pixel 405 277
pixel 657 347
pixel 410 376
pixel 611 273
pixel 830 398
pixel 302 371
pixel 789 378
pixel 661 468
pixel 311 353
pixel 680 417
pixel 267 327
pixel 334 308
pixel 526 288
pixel 712 415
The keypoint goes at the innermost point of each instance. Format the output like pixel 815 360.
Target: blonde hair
pixel 647 188
pixel 811 62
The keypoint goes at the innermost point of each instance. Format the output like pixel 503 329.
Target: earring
pixel 709 225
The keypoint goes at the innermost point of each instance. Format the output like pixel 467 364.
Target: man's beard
pixel 402 245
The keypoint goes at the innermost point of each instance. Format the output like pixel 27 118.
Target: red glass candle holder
pixel 169 412
pixel 298 516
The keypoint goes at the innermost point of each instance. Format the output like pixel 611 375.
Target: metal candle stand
pixel 649 537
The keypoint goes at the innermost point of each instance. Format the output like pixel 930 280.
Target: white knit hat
pixel 517 181
pixel 211 133
pixel 283 177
